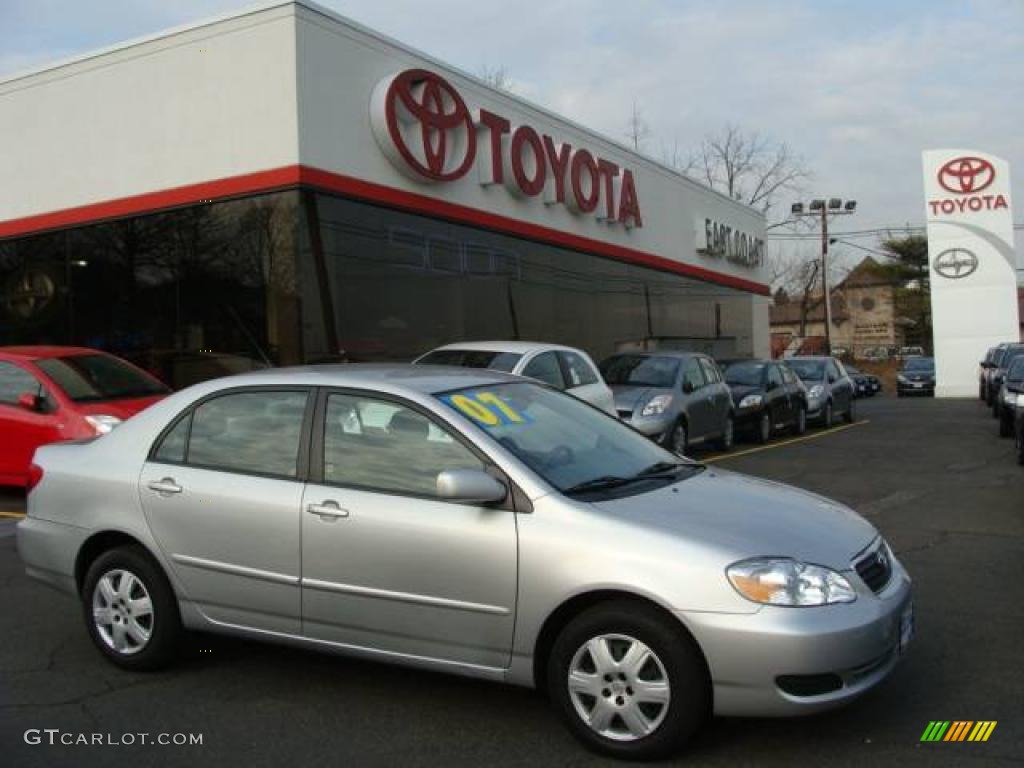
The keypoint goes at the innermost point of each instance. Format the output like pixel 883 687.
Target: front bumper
pixel 857 644
pixel 916 388
pixel 654 427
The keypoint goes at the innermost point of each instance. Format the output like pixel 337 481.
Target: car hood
pixel 628 397
pixel 745 517
pixel 122 409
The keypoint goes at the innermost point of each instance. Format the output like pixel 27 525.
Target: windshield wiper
pixel 660 468
pixel 600 484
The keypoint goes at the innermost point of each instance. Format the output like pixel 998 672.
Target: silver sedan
pixel 470 522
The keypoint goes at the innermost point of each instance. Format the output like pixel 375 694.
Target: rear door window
pixel 578 372
pixel 544 367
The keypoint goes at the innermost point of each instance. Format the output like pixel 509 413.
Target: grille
pixel 875 568
pixel 625 414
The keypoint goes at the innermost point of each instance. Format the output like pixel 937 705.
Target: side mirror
pixel 30 402
pixel 687 387
pixel 472 486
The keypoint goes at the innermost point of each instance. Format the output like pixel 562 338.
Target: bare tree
pixel 747 166
pixel 638 129
pixel 496 77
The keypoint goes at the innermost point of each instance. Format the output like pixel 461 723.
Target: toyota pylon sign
pixel 972 261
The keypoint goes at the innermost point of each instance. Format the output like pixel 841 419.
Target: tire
pixel 995 408
pixel 148 640
pixel 851 413
pixel 674 669
pixel 728 438
pixel 899 393
pixel 801 420
pixel 1020 446
pixel 1005 426
pixel 679 438
pixel 764 427
pixel 826 416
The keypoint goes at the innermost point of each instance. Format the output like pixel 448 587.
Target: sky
pixel 856 89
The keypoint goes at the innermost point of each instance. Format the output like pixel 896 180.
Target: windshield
pixel 91 378
pixel 472 358
pixel 852 371
pixel 744 374
pixel 1011 354
pixel 919 364
pixel 1016 371
pixel 574 447
pixel 808 370
pixel 640 371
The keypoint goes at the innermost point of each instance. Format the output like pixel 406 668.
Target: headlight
pixel 816 391
pixel 656 405
pixel 902 379
pixel 781 581
pixel 103 423
pixel 1011 398
pixel 751 401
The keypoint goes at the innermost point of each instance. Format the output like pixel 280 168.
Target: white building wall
pixel 187 107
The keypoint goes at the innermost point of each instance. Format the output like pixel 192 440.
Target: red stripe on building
pixel 294 175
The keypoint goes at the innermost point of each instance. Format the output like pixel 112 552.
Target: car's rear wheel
pixel 628 682
pixel 130 609
pixel 764 427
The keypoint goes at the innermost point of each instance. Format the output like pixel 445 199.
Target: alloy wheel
pixel 122 611
pixel 765 427
pixel 619 687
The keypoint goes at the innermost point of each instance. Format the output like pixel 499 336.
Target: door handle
pixel 329 511
pixel 164 487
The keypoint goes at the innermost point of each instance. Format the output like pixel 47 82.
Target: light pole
pixel 834 207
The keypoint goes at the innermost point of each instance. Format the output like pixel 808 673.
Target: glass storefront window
pixel 305 277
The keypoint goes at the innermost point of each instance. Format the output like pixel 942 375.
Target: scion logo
pixel 964 175
pixel 428 124
pixel 955 263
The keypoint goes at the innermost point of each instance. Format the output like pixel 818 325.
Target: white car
pixel 565 368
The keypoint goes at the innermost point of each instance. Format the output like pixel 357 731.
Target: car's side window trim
pixel 513 501
pixel 302 459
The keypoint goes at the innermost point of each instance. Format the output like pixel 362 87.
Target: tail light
pixel 35 474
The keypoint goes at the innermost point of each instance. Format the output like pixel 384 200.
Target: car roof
pixel 809 357
pixel 518 347
pixel 43 352
pixel 393 377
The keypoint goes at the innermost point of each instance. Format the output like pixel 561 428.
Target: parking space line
pixel 16 515
pixel 790 441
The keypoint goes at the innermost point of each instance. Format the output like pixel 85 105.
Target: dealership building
pixel 282 186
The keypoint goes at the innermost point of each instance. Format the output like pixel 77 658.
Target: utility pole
pixel 823 208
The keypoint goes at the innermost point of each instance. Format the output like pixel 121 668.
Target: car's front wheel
pixel 764 427
pixel 628 682
pixel 801 420
pixel 851 413
pixel 130 609
pixel 725 442
pixel 1005 425
pixel 679 438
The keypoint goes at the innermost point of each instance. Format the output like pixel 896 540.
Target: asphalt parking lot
pixel 932 475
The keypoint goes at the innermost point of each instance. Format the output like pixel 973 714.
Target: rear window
pixel 640 371
pixel 472 358
pixel 92 378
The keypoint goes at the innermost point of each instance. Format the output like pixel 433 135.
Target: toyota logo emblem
pixel 964 175
pixel 428 125
pixel 955 263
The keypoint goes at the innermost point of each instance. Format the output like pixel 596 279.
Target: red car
pixel 49 394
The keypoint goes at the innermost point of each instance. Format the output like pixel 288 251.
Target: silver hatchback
pixel 470 522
